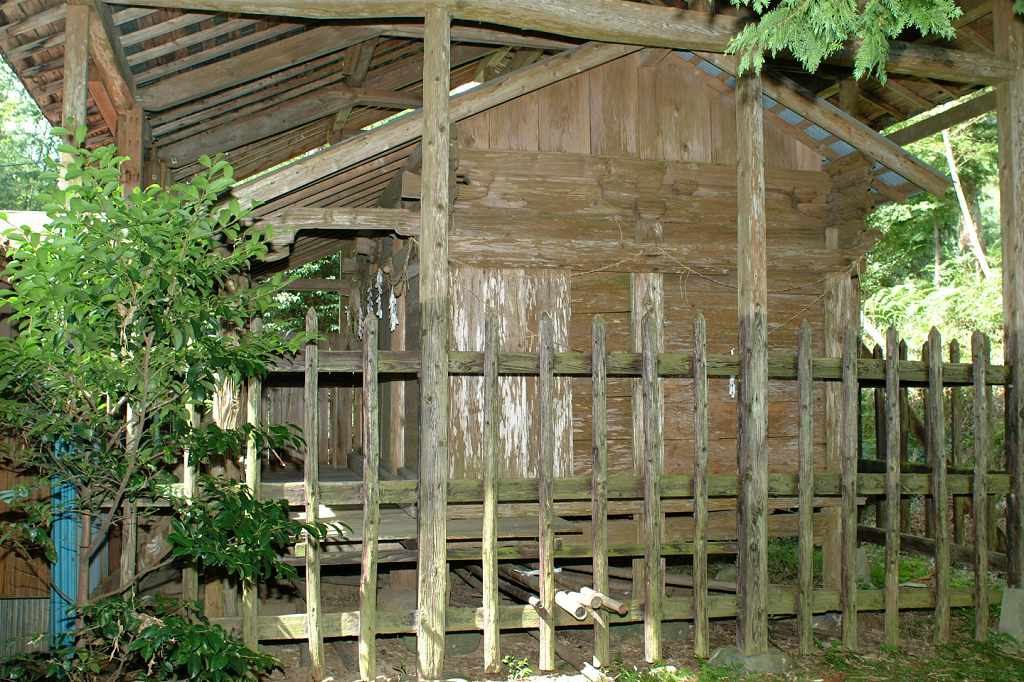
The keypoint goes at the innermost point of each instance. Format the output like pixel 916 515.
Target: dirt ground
pixel 397 663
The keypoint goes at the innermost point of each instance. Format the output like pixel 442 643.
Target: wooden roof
pixel 237 77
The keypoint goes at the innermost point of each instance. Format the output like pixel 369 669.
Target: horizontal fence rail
pixel 495 523
pixel 670 365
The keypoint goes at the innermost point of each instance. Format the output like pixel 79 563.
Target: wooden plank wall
pixel 519 297
pixel 623 108
pixel 630 167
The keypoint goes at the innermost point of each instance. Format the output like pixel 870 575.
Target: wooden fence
pixel 674 509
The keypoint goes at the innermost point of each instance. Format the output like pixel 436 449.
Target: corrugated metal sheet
pixel 20 619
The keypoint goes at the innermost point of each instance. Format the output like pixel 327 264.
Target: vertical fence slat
pixel 653 455
pixel 956 442
pixel 602 645
pixel 881 441
pixel 851 438
pixel 893 520
pixel 492 634
pixel 253 407
pixel 805 488
pixel 545 491
pixel 371 504
pixel 701 636
pixel 940 498
pixel 904 441
pixel 982 456
pixel 312 484
pixel 929 447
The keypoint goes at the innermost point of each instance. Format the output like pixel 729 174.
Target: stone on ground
pixel 1011 613
pixel 771 662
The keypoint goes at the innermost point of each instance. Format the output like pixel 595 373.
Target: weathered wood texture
pixel 1009 44
pixel 311 482
pixel 518 296
pixel 752 317
pixel 434 295
pixel 661 112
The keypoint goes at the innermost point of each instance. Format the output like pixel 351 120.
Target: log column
pixel 434 295
pixel 752 574
pixel 76 68
pixel 1009 44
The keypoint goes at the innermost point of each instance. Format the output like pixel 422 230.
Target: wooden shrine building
pixel 587 269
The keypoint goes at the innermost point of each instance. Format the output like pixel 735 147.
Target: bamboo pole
pixel 545 495
pixel 492 414
pixel 311 479
pixel 371 503
pixel 805 544
pixel 850 408
pixel 937 442
pixel 602 646
pixel 752 306
pixel 893 503
pixel 982 456
pixel 434 388
pixel 653 455
pixel 701 623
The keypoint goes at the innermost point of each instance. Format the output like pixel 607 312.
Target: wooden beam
pixel 344 287
pixel 751 257
pixel 1009 43
pixel 102 100
pixel 434 126
pixel 409 127
pixel 609 21
pixel 108 57
pixel 843 126
pixel 76 68
pixel 183 64
pixel 950 117
pixel 283 117
pixel 483 36
pixel 928 61
pixel 356 66
pixel 183 41
pixel 288 222
pixel 855 133
pixel 234 70
pixel 129 143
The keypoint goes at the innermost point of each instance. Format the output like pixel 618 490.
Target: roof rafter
pixel 613 21
pixel 230 72
pixel 410 127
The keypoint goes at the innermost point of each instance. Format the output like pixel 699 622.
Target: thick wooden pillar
pixel 435 215
pixel 76 68
pixel 129 143
pixel 752 574
pixel 1009 44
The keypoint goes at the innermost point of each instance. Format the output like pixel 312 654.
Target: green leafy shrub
pixel 132 313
